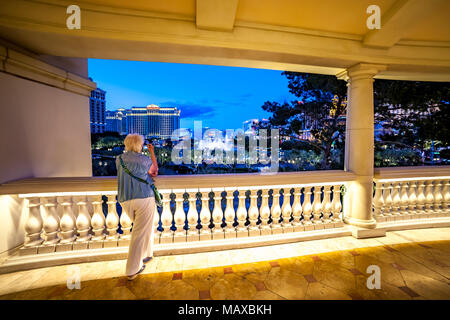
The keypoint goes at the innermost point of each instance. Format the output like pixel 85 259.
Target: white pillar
pixel 359 142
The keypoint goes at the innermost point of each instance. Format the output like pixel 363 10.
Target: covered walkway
pixel 411 268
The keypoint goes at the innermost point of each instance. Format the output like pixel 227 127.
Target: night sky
pixel 221 97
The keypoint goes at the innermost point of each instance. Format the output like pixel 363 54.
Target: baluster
pixel 297 211
pixel 317 208
pixel 387 195
pixel 336 206
pixel 33 227
pixel 326 207
pixel 179 217
pixel 404 201
pixel 156 221
pixel 412 197
pixel 275 211
pixel 378 202
pixel 307 209
pixel 112 223
pixel 421 199
pixel 98 223
pixel 205 215
pixel 51 226
pixel 230 230
pixel 396 200
pixel 438 198
pixel 67 226
pixel 166 219
pixel 429 198
pixel 265 213
pixel 83 223
pixel 253 214
pixel 125 225
pixel 447 197
pixel 286 211
pixel 192 216
pixel 241 214
pixel 217 215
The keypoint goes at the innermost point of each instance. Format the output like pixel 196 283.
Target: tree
pixel 321 101
pixel 418 111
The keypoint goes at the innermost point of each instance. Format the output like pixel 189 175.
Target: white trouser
pixel 141 212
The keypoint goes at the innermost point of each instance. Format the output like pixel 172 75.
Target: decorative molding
pixel 19 64
pixel 121 33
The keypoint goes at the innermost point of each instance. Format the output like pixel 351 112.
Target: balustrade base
pixel 309 227
pixel 254 232
pixel 318 226
pixel 277 230
pixel 80 245
pixel 123 242
pixel 287 229
pixel 241 233
pixel 193 237
pixel 64 247
pixel 230 234
pixel 165 239
pixel 205 236
pixel 329 225
pixel 218 235
pixel 95 244
pixel 299 228
pixel 265 231
pixel 110 243
pixel 25 251
pixel 438 222
pixel 47 249
pixel 179 238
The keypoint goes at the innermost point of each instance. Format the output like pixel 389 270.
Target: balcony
pixel 73 220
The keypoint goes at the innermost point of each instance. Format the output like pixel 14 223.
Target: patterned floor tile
pixel 408 270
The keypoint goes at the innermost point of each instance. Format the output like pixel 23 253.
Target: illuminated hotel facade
pixel 151 120
pixel 97 108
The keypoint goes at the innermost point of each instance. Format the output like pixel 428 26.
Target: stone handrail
pixel 92 184
pixel 411 193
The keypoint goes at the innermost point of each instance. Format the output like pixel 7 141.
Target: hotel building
pixel 148 121
pixel 97 106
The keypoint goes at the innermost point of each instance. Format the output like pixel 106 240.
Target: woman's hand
pixel 153 172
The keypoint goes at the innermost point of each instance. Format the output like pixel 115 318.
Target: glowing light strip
pixel 411 179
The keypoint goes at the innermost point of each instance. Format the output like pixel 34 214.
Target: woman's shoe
pixel 136 274
pixel 147 260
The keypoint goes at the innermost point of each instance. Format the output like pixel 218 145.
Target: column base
pixel 360 233
pixel 368 224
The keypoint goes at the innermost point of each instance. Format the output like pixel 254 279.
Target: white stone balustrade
pixel 259 212
pixel 410 199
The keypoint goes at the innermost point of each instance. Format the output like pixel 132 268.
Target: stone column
pixel 359 143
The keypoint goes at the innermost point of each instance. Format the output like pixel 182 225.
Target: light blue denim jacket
pixel 129 187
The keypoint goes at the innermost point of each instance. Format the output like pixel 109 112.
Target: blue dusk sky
pixel 221 97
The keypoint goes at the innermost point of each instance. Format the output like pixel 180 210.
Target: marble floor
pixel 414 264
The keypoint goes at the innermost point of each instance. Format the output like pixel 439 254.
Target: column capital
pixel 360 71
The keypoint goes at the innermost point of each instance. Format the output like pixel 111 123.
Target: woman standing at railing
pixel 137 198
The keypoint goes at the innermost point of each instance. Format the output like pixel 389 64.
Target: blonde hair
pixel 134 142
